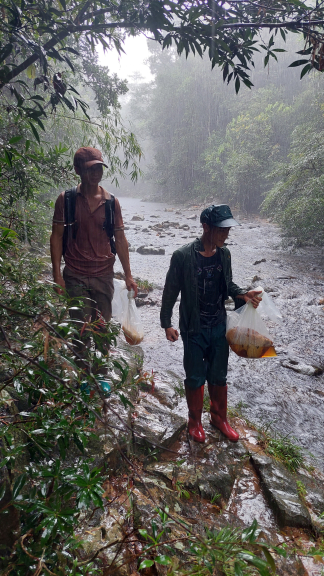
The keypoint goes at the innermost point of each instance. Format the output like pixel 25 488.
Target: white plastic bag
pixel 120 301
pixel 131 321
pixel 246 332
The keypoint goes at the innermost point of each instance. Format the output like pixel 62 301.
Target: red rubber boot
pixel 218 411
pixel 195 405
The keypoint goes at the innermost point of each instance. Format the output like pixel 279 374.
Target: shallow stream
pixel 269 390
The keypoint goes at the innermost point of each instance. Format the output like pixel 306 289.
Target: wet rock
pixel 314 487
pixel 154 424
pixel 168 388
pixel 301 368
pixel 108 529
pixel 213 473
pixel 147 302
pixel 138 218
pixel 142 294
pixel 192 217
pixel 247 501
pixel 131 249
pixel 184 227
pixel 259 261
pixel 281 491
pixel 146 250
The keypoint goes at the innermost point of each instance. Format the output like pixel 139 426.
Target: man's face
pixel 219 236
pixel 92 175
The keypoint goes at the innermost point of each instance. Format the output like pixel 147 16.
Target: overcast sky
pixel 130 63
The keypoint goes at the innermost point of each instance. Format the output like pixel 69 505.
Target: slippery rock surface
pixel 281 490
pixel 268 390
pixel 155 425
pixel 211 485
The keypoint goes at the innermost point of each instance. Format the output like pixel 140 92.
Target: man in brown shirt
pixel 89 261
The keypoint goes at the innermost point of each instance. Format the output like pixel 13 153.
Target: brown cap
pixel 86 157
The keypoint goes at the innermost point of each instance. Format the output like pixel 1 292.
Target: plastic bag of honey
pixel 247 333
pixel 131 321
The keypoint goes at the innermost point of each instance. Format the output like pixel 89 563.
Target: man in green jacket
pixel 202 272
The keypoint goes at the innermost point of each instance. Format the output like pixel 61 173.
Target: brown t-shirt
pixel 89 254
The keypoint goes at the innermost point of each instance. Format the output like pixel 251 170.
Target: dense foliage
pixel 256 150
pixel 34 33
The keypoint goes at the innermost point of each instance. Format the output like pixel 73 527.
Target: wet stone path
pixel 217 485
pixel 286 392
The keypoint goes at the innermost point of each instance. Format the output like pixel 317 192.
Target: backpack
pixel 71 226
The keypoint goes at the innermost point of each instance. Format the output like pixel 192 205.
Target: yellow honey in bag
pixel 248 343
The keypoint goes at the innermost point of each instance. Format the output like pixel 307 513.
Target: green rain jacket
pixel 182 277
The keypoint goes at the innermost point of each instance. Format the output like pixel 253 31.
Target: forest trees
pixel 256 149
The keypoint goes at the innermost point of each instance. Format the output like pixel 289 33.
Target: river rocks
pixel 167 389
pixel 146 250
pixel 259 261
pixel 192 217
pixel 281 490
pixel 301 367
pixel 102 532
pixel 138 218
pixel 155 425
pixel 213 473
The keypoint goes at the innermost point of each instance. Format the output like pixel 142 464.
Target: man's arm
pixel 56 243
pixel 238 293
pixel 123 255
pixel 251 296
pixel 171 291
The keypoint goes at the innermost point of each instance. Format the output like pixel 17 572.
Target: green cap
pixel 220 216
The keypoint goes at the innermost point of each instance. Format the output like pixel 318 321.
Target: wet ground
pixel 267 390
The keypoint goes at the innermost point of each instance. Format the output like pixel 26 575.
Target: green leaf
pixel 72 50
pixel 31 71
pixel 8 158
pixel 34 131
pixel 306 69
pixel 125 400
pixel 143 533
pixel 15 139
pixel 238 570
pixel 298 63
pixel 146 564
pixel 18 485
pixel 260 564
pixel 269 558
pixel 164 560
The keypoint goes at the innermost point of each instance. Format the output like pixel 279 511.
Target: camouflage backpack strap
pixel 109 223
pixel 69 216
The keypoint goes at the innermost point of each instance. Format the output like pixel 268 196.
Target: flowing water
pixel 268 390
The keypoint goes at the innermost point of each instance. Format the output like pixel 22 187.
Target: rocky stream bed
pixel 212 485
pixel 230 483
